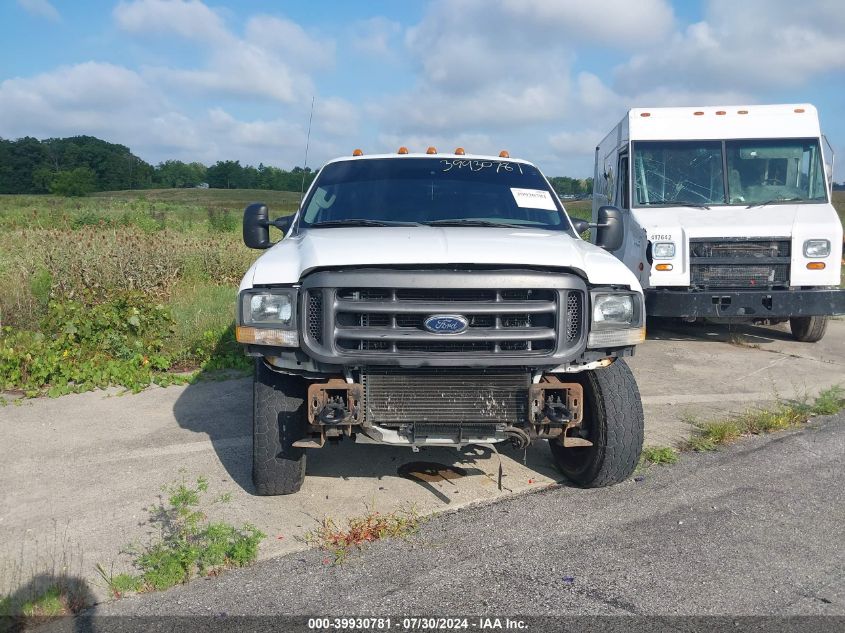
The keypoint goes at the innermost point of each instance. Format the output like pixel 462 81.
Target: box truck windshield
pixel 735 172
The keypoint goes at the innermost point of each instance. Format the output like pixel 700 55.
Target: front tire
pixel 279 419
pixel 613 421
pixel 808 329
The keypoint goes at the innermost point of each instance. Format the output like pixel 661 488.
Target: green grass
pixel 709 435
pixel 658 455
pixel 60 598
pixel 186 544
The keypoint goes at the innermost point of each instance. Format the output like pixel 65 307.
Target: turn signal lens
pixel 266 336
pixel 815 266
pixel 402 150
pixel 357 152
pixel 666 267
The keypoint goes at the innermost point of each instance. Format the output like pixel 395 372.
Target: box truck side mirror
pixel 610 228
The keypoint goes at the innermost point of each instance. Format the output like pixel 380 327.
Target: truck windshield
pixel 769 171
pixel 439 191
pixel 668 173
pixel 759 172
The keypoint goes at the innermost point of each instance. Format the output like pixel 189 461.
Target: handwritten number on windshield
pixel 479 165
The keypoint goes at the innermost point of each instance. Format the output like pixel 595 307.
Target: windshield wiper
pixel 470 222
pixel 772 201
pixel 680 203
pixel 359 222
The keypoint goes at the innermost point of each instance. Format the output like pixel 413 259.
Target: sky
pixel 545 79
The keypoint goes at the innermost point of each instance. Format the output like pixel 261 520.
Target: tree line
pixel 78 165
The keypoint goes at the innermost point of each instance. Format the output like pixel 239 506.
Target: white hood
pixel 775 220
pixel 354 247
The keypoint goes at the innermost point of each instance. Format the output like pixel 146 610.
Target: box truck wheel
pixel 279 419
pixel 808 329
pixel 613 422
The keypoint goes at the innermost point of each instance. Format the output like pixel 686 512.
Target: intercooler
pixel 438 400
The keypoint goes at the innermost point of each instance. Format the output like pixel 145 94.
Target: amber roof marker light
pixel 431 150
pixel 504 154
pixel 357 152
pixel 402 150
pixel 459 151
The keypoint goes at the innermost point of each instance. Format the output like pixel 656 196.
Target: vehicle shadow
pixel 664 329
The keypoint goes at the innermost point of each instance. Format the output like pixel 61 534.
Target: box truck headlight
pixel 663 250
pixel 617 320
pixel 816 248
pixel 268 317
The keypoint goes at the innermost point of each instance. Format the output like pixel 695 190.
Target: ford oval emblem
pixel 446 323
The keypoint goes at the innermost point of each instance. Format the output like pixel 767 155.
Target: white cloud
pixel 190 19
pixel 752 46
pixel 270 61
pixel 290 42
pixel 375 36
pixel 41 9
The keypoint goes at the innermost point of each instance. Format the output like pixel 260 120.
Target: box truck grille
pixel 446 397
pixel 739 263
pixel 371 322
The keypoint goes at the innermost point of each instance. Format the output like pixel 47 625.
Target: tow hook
pixel 556 411
pixel 334 412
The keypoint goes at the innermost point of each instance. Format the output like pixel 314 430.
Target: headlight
pixel 270 309
pixel 615 309
pixel 617 320
pixel 268 317
pixel 663 250
pixel 816 248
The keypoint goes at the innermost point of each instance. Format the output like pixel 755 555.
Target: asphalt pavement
pixel 754 529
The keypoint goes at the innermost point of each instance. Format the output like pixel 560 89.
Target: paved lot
pixel 81 469
pixel 752 530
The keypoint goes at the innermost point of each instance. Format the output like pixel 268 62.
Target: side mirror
pixel 257 225
pixel 580 225
pixel 610 228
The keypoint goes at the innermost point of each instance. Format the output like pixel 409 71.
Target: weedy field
pixel 121 288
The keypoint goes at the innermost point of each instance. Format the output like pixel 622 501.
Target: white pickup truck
pixel 439 299
pixel 727 213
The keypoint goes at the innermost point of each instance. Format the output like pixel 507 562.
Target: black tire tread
pixel 621 407
pixel 808 329
pixel 278 468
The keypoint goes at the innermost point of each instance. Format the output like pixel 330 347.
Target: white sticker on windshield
pixel 533 199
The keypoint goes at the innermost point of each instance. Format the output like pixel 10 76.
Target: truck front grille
pixel 739 263
pixel 369 322
pixel 456 396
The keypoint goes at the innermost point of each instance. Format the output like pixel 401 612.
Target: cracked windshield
pixel 759 172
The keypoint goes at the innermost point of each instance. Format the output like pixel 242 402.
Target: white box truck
pixel 726 212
